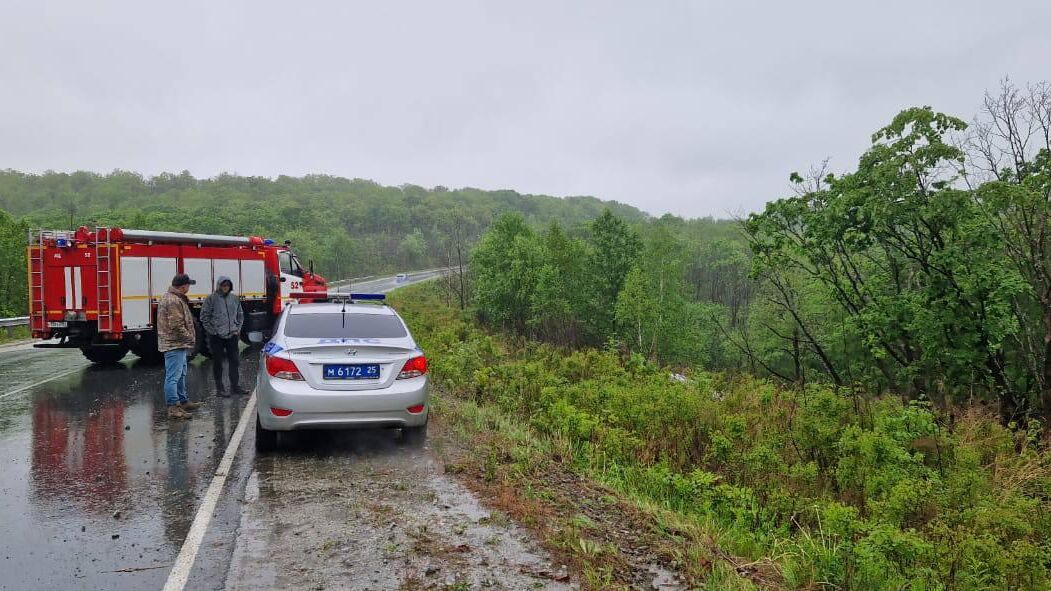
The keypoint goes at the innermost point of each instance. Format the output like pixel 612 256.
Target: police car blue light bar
pixel 335 296
pixel 368 296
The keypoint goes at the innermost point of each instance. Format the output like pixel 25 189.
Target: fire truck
pixel 97 290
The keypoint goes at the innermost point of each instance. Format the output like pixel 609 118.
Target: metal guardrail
pixel 10 324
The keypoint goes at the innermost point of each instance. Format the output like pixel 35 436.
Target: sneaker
pixel 190 405
pixel 176 412
pixel 241 391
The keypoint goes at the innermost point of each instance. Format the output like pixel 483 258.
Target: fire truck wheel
pixel 150 356
pixel 145 347
pixel 202 342
pixel 104 354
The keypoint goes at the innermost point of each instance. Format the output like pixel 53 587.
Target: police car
pixel 342 364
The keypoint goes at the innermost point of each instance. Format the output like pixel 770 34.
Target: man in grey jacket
pixel 222 317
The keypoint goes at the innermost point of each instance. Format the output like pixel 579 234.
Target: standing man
pixel 222 318
pixel 176 337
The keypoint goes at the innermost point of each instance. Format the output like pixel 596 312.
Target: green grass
pixel 19 333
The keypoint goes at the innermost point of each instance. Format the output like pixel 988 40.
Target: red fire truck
pixel 97 290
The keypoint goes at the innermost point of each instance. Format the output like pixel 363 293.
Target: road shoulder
pixel 359 510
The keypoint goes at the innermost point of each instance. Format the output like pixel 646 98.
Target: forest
pixel 924 272
pixel 349 228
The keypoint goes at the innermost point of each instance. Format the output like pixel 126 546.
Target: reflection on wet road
pixel 97 487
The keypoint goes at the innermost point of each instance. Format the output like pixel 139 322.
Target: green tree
pixel 412 248
pixel 13 288
pixel 907 258
pixel 506 264
pixel 636 312
pixel 614 250
pixel 1011 146
pixel 559 301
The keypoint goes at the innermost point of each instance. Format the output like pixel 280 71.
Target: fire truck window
pixel 297 269
pixel 285 258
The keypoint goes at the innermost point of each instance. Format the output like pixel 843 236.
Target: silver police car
pixel 341 365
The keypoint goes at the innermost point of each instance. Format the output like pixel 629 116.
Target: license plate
pixel 365 371
pixel 57 324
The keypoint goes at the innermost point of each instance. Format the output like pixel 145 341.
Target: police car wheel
pixel 265 441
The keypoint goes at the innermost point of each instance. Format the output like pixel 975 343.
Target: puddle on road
pixel 98 487
pixel 358 510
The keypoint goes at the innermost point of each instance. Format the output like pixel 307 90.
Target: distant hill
pixel 348 226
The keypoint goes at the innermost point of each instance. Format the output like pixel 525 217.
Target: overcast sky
pixel 696 108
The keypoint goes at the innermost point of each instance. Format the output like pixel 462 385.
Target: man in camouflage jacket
pixel 176 338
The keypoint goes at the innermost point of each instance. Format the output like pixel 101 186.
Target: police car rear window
pixel 344 326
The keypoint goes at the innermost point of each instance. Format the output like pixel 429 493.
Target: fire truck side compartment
pixel 227 268
pixel 200 270
pixel 135 292
pixel 253 280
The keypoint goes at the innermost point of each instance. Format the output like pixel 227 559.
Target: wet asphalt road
pixel 98 490
pixel 97 487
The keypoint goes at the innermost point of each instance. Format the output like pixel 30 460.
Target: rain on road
pixel 98 491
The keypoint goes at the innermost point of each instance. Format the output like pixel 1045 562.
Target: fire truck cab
pixel 97 290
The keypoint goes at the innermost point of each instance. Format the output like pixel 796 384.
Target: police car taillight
pixel 415 367
pixel 281 368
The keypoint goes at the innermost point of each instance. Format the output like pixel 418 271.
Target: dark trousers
pixel 224 347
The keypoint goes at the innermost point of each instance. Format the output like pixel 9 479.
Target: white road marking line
pixel 188 554
pixel 41 382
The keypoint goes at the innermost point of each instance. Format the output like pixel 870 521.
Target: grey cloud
pixel 688 107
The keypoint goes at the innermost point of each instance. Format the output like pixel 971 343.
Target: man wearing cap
pixel 176 337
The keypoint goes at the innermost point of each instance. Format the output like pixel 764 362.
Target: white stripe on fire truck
pixel 69 288
pixel 78 289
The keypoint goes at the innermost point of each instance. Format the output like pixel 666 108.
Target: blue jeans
pixel 175 376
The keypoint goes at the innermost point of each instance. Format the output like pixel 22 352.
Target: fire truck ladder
pixel 103 280
pixel 38 318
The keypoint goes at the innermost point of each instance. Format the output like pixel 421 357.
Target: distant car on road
pixel 401 278
pixel 341 365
